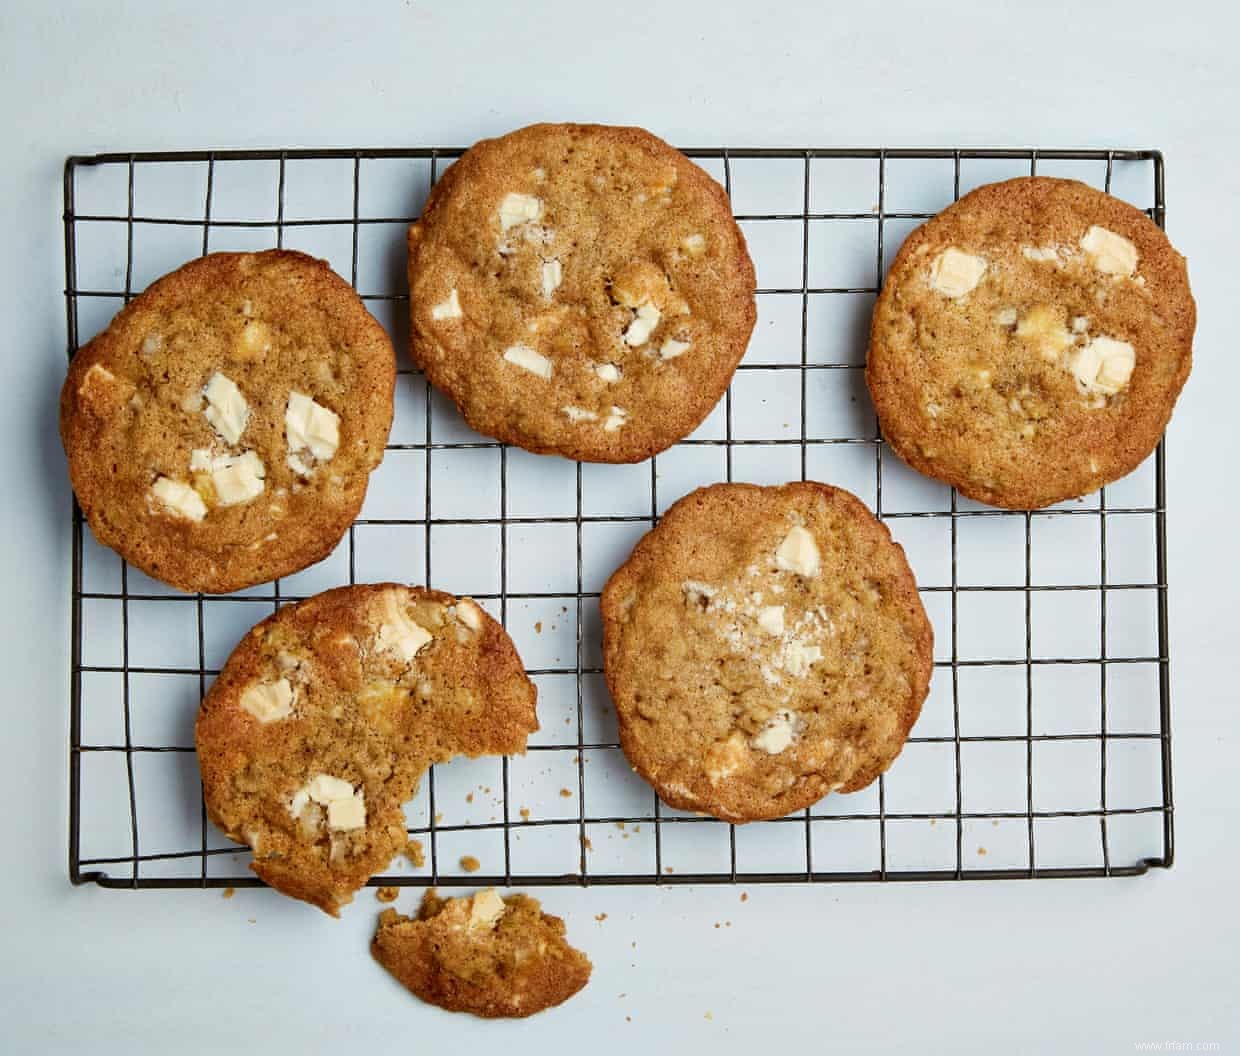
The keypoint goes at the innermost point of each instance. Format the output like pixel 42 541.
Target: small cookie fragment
pixel 327 714
pixel 580 290
pixel 489 956
pixel 1030 342
pixel 764 646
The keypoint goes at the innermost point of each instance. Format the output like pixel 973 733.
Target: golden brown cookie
pixel 326 715
pixel 221 430
pixel 580 290
pixel 1030 342
pixel 764 646
pixel 495 957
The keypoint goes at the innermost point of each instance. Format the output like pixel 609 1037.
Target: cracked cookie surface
pixel 580 290
pixel 221 431
pixel 1030 342
pixel 764 646
pixel 326 715
pixel 490 956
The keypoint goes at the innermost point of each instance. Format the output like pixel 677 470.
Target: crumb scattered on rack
pixel 470 864
pixel 229 892
pixel 600 917
pixel 252 920
pixel 538 627
pixel 469 797
pixel 981 850
pixel 585 842
pixel 413 851
pixel 708 1015
pixel 566 793
pixel 744 896
pixel 525 813
pixel 668 869
pixel 438 817
pixel 387 894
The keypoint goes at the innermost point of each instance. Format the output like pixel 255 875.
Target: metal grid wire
pixel 1044 749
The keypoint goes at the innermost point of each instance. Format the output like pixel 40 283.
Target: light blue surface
pixel 1083 966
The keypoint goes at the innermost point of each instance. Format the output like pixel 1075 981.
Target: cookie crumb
pixel 744 896
pixel 538 627
pixel 438 817
pixel 229 892
pixel 708 1016
pixel 469 797
pixel 525 813
pixel 585 842
pixel 669 869
pixel 470 864
pixel 600 917
pixel 387 894
pixel 415 854
pixel 566 793
pixel 981 850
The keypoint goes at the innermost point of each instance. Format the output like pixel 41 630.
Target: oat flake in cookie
pixel 1030 342
pixel 580 290
pixel 221 430
pixel 326 715
pixel 491 956
pixel 764 646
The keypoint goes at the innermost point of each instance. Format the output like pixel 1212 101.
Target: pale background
pixel 1079 966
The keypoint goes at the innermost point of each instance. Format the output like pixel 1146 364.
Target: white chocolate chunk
pixel 1041 254
pixel 527 359
pixel 771 619
pixel 344 815
pixel 694 245
pixel 1080 324
pixel 200 460
pixel 486 909
pixel 238 478
pixel 697 592
pixel 152 344
pixel 778 733
pixel 468 613
pixel 227 409
pixel 552 275
pixel 399 634
pixel 1111 254
pixel 448 308
pixel 797 657
pixel 642 326
pixel 671 348
pixel 1043 326
pixel 798 553
pixel 608 371
pixel 954 273
pixel 179 499
pixel 724 758
pixel 268 701
pixel 1007 317
pixel 579 414
pixel 615 420
pixel 346 808
pixel 1104 365
pixel 518 209
pixel 97 372
pixel 309 427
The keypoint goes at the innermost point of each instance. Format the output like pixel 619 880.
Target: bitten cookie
pixel 326 715
pixel 494 957
pixel 1030 342
pixel 221 430
pixel 580 290
pixel 764 646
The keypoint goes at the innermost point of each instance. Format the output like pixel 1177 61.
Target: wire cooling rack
pixel 1043 750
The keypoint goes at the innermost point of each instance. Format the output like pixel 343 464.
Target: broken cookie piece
pixel 327 714
pixel 489 956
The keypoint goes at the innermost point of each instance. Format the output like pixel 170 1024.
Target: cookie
pixel 580 290
pixel 221 430
pixel 491 956
pixel 1030 342
pixel 764 646
pixel 327 714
